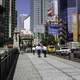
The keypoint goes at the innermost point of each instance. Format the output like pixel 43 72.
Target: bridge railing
pixel 7 61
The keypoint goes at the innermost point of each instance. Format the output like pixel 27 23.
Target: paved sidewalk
pixel 30 67
pixel 25 70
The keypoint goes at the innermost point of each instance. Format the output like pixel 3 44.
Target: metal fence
pixel 7 61
pixel 76 52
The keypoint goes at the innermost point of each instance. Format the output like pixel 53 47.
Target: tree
pixel 49 40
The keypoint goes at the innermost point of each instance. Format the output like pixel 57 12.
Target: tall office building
pixel 14 17
pixel 45 8
pixel 5 4
pixel 69 11
pixel 74 18
pixel 1 24
pixel 1 19
pixel 39 12
pixel 10 18
pixel 22 17
pixel 71 8
pixel 35 13
pixel 27 23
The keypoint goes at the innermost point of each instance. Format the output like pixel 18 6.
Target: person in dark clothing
pixel 44 50
pixel 38 49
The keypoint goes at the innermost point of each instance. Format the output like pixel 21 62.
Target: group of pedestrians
pixel 40 49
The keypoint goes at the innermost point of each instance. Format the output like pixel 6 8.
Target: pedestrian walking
pixel 38 49
pixel 33 50
pixel 44 50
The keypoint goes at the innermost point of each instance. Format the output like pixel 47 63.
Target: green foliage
pixel 49 40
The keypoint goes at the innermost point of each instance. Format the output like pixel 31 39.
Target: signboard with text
pixel 53 29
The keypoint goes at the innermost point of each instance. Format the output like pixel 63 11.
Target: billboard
pixel 53 29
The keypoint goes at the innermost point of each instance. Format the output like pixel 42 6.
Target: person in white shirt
pixel 33 50
pixel 44 48
pixel 38 49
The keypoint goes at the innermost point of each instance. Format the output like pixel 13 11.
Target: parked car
pixel 51 49
pixel 64 51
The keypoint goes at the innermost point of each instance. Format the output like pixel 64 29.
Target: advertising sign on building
pixel 53 29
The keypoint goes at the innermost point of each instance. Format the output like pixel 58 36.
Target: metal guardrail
pixel 7 60
pixel 76 52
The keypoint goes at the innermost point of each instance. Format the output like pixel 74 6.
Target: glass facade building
pixel 73 7
pixel 62 13
pixel 1 26
pixel 71 3
pixel 63 9
pixel 7 6
pixel 68 8
pixel 39 10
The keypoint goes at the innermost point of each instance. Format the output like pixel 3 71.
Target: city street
pixel 43 26
pixel 30 67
